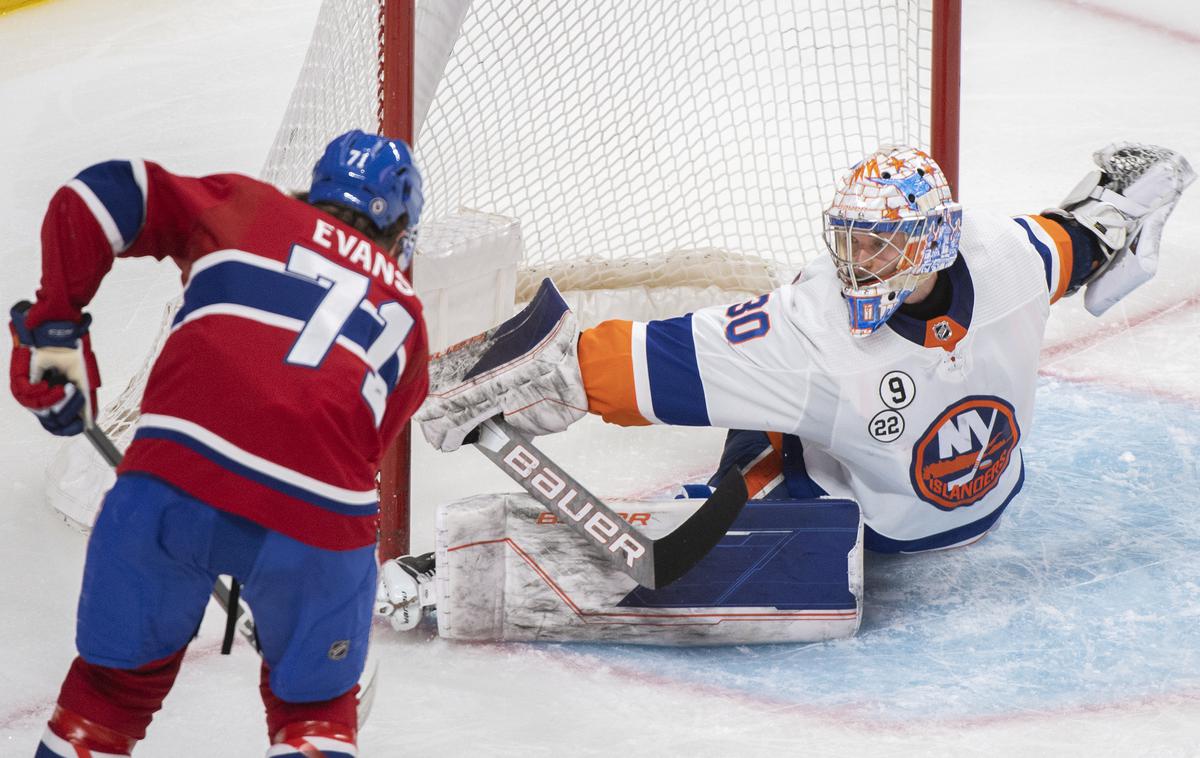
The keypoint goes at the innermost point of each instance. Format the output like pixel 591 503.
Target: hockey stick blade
pixel 244 620
pixel 652 563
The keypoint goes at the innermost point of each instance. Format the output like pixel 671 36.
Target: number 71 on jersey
pixel 346 293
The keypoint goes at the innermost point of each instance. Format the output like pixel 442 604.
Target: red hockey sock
pixel 339 715
pixel 123 701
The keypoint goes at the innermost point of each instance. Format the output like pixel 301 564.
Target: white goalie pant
pixel 788 571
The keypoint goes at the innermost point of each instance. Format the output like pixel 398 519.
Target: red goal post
pixel 396 37
pixel 946 76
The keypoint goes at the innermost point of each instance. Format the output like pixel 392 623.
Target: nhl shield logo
pixel 339 650
pixel 942 330
pixel 961 456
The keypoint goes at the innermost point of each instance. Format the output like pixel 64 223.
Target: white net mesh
pixel 621 130
pixel 617 132
pixel 625 129
pixel 337 90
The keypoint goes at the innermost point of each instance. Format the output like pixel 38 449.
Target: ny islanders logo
pixel 963 453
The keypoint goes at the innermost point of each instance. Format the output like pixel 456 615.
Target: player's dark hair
pixel 385 238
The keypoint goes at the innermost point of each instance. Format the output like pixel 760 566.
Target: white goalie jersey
pixel 921 422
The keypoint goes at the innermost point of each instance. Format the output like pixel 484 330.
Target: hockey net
pixel 658 157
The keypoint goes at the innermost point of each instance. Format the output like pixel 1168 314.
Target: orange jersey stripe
pixel 765 470
pixel 1063 249
pixel 606 363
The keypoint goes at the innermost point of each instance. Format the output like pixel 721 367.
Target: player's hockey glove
pixel 526 368
pixel 1125 205
pixel 53 372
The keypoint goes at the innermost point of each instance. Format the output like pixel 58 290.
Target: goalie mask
pixel 892 224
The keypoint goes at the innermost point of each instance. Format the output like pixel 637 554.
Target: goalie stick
pixel 652 563
pixel 241 618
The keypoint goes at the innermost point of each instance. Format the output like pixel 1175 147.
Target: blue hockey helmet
pixel 370 174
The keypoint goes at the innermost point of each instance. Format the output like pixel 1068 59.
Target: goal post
pixel 946 77
pixel 397 19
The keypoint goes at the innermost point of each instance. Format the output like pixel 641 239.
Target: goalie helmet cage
pixel 618 131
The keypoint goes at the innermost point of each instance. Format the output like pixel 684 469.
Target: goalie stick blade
pixel 676 553
pixel 652 563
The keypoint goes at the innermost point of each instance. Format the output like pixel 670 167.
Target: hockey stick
pixel 242 618
pixel 652 563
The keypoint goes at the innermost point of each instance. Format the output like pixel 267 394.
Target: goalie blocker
pixel 787 571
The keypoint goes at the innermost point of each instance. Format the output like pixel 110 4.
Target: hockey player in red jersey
pixel 297 356
pixel 916 409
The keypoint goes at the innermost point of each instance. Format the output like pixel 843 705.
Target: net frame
pixel 943 142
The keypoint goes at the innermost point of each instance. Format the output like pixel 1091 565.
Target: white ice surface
pixel 1070 631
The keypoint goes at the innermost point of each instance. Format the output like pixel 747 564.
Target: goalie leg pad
pixel 788 571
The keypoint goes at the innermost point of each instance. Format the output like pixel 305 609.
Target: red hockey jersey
pixel 297 356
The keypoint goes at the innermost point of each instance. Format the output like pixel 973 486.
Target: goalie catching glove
pixel 527 369
pixel 1125 205
pixel 53 371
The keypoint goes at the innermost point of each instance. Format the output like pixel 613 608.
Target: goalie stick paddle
pixel 652 563
pixel 222 590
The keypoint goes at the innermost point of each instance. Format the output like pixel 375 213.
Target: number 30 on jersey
pixel 747 320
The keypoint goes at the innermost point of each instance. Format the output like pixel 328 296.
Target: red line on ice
pixel 1126 18
pixel 1071 346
